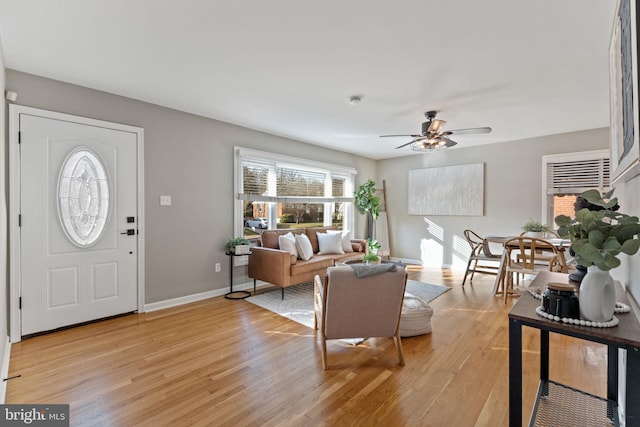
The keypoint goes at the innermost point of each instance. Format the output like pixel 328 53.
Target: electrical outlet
pixel 218 267
pixel 165 200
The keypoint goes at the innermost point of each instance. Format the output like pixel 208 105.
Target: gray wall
pixel 190 158
pixel 512 193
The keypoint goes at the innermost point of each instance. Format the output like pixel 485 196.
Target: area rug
pixel 298 300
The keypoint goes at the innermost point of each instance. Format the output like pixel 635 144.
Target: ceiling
pixel 288 67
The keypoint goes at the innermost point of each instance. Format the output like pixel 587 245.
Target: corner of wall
pixel 5 346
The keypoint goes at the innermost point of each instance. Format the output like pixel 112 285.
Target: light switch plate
pixel 165 200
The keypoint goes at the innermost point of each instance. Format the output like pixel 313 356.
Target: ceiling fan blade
pixel 469 131
pixel 412 136
pixel 404 145
pixel 448 142
pixel 436 125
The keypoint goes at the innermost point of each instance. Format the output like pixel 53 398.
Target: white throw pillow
pixel 346 239
pixel 330 243
pixel 303 244
pixel 288 243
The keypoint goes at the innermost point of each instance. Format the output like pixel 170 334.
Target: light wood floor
pixel 231 363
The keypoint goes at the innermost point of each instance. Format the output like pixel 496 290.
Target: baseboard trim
pixel 175 302
pixel 406 260
pixel 5 369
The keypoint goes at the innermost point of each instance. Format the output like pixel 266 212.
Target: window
pixel 275 191
pixel 565 176
pixel 83 197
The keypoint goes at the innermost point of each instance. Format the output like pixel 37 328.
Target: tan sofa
pixel 281 268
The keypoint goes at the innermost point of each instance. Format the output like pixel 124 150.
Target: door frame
pixel 15 262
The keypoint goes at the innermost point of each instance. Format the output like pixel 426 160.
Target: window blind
pixel 272 178
pixel 578 176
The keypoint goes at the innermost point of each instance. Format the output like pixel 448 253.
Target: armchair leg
pixel 324 352
pixel 398 342
pixel 283 294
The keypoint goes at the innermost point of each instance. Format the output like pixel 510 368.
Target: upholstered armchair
pixel 346 306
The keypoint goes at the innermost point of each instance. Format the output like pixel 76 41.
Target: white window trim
pixel 564 157
pixel 312 165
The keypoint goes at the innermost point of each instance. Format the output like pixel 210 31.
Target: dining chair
pixel 348 306
pixel 547 235
pixel 481 260
pixel 529 256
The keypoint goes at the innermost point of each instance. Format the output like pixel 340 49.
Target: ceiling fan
pixel 433 137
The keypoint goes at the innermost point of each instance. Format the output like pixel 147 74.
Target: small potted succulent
pixel 238 245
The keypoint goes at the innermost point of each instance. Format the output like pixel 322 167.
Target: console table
pixel 551 394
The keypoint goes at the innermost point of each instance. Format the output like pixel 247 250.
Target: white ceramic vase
pixel 536 234
pixel 597 295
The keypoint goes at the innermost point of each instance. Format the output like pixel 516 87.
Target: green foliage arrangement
pixel 370 257
pixel 373 245
pixel 232 243
pixel 366 199
pixel 535 226
pixel 599 236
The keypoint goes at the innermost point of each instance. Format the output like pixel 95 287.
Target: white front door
pixel 78 220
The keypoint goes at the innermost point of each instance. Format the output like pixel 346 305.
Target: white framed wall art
pixel 448 190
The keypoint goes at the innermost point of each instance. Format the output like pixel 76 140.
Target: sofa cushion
pixel 303 245
pixel 318 262
pixel 311 234
pixel 329 243
pixel 288 243
pixel 346 239
pixel 269 238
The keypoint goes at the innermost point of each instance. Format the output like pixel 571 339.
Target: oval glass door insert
pixel 83 197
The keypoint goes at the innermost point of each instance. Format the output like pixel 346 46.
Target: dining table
pixel 498 287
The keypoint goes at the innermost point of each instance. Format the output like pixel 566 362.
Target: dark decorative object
pixel 577 275
pixel 560 300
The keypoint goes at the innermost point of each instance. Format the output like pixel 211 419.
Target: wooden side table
pixel 625 336
pixel 235 294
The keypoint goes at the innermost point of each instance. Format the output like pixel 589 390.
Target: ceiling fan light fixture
pixel 426 146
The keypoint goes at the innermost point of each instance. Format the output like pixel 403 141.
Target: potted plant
pixel 373 246
pixel 371 258
pixel 598 236
pixel 534 228
pixel 368 203
pixel 238 245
